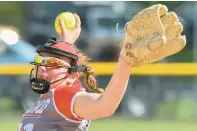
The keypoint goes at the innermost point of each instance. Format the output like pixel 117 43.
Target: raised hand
pixel 70 35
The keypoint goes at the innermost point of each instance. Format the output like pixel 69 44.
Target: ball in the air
pixel 69 21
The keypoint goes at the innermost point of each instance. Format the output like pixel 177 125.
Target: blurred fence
pixel 155 91
pixel 107 68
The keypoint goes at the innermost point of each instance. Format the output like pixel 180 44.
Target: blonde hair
pixel 89 75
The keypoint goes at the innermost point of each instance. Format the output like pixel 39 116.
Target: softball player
pixel 64 105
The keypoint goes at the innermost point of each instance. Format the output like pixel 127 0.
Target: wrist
pixel 124 63
pixel 66 40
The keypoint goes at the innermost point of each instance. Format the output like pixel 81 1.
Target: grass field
pixel 9 120
pixel 120 125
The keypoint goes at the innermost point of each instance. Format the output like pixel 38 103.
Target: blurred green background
pixel 151 103
pixel 123 125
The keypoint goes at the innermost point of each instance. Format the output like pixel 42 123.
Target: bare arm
pixel 92 106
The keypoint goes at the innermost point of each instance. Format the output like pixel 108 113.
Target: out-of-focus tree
pixel 11 14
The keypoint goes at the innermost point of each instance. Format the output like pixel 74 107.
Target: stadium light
pixel 10 37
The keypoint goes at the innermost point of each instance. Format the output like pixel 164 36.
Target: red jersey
pixel 54 112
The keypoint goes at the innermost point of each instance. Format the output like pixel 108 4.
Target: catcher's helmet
pixel 59 48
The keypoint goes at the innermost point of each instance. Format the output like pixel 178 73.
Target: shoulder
pixel 64 98
pixel 66 94
pixel 68 90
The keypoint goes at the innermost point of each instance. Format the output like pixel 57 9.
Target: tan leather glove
pixel 175 41
pixel 152 35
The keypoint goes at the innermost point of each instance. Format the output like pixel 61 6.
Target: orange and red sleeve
pixel 64 100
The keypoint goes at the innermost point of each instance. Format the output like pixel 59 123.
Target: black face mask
pixel 40 86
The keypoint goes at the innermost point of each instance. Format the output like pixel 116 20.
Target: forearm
pixel 117 86
pixel 103 105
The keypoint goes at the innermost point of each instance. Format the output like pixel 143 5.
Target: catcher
pixel 64 105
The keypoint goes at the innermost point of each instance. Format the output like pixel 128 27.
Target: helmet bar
pixel 49 49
